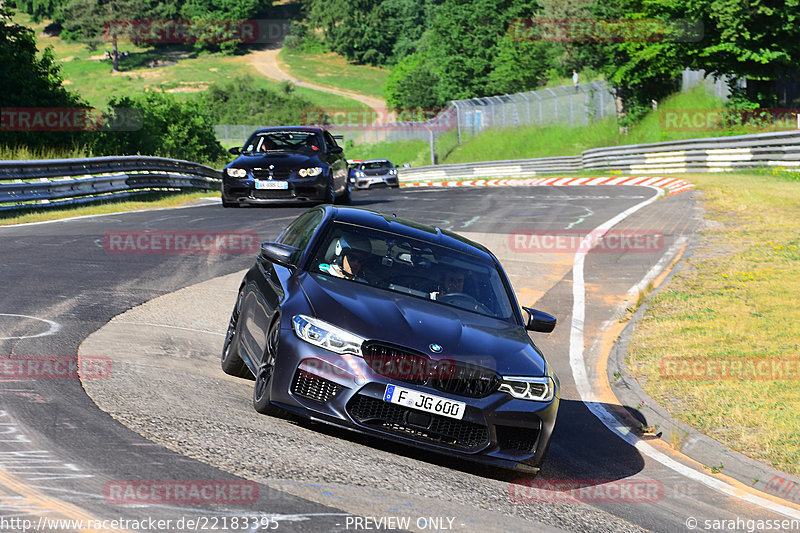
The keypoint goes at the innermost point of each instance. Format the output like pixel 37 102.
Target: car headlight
pixel 360 174
pixel 236 172
pixel 310 172
pixel 393 171
pixel 539 389
pixel 328 336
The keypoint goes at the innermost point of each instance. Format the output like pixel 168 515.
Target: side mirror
pixel 235 150
pixel 337 149
pixel 540 321
pixel 278 253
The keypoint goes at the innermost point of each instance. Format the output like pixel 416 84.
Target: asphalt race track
pixel 172 415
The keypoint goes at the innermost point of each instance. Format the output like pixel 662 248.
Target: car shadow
pixel 582 450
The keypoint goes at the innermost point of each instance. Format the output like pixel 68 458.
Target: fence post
pixel 458 120
pixel 527 105
pixel 555 104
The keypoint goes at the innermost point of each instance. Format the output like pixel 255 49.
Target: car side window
pixel 299 233
pixel 329 140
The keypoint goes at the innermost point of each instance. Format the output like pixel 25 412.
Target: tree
pixel 169 128
pixel 410 82
pixel 40 10
pixel 30 81
pixel 90 21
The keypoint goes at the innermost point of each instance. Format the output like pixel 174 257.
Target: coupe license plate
pixel 424 402
pixel 272 185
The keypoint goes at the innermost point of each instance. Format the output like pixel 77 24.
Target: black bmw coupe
pixel 398 330
pixel 281 164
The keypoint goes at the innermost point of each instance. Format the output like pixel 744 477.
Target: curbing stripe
pixel 669 185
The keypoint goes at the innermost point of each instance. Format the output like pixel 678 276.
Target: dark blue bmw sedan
pixel 398 330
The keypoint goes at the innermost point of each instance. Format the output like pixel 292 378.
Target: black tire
pixel 330 193
pixel 347 196
pixel 261 389
pixel 232 363
pixel 228 204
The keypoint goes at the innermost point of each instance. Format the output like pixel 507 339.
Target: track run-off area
pixel 154 420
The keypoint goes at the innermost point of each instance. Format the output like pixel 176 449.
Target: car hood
pixel 383 315
pixel 279 159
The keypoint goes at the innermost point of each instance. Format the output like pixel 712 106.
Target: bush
pixel 169 128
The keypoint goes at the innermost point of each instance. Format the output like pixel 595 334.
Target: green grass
pixel 332 70
pixel 734 301
pixel 182 71
pixel 560 140
pixel 145 201
pixel 412 152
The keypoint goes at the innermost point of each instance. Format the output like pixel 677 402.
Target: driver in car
pixel 351 253
pixel 453 283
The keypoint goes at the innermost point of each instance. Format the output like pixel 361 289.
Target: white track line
pixel 583 385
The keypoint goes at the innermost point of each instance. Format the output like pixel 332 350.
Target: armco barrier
pixel 714 154
pixel 27 184
pixel 37 184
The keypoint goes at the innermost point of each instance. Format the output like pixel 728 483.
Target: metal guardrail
pixel 523 168
pixel 57 182
pixel 714 154
pixel 36 184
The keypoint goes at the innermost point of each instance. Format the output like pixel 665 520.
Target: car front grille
pixel 446 375
pixel 397 363
pixel 400 420
pixel 519 439
pixel 277 174
pixel 465 380
pixel 314 387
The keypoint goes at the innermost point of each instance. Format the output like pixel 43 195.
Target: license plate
pixel 424 402
pixel 272 185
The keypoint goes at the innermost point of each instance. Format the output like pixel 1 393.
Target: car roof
pixel 309 129
pixel 409 228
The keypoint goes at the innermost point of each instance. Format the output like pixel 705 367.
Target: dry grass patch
pixel 728 316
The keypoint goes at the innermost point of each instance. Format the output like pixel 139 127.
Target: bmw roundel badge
pixel 435 348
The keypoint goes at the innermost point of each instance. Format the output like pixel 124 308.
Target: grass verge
pixel 707 346
pixel 333 70
pixel 145 201
pixel 559 140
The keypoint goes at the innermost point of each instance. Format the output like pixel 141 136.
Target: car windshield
pixel 372 165
pixel 283 141
pixel 413 267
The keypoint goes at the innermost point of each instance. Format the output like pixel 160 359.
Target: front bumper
pixel 298 189
pixel 370 182
pixel 343 390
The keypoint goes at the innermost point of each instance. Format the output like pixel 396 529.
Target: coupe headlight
pixel 537 389
pixel 310 172
pixel 236 172
pixel 328 336
pixel 393 171
pixel 360 174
